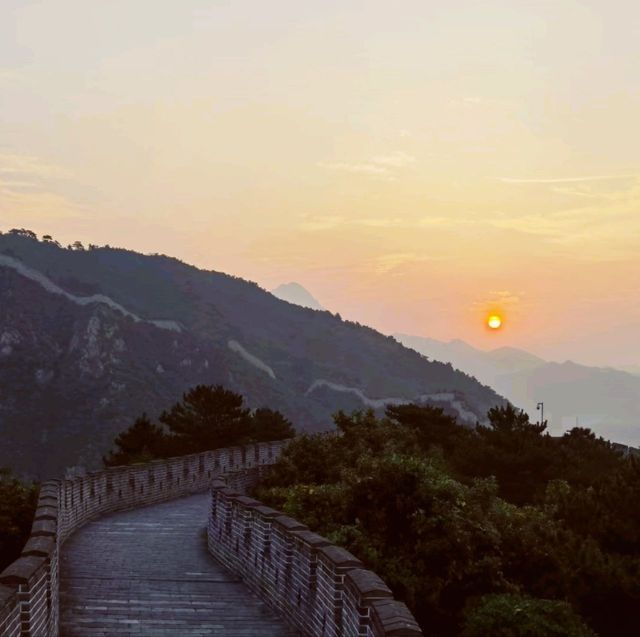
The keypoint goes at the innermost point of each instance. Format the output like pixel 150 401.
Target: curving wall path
pixel 29 588
pixel 147 572
pixel 320 589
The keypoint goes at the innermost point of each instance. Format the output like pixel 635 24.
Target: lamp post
pixel 540 408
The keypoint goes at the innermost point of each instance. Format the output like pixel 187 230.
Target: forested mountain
pixel 91 338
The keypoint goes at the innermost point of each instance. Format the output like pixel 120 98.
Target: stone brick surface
pixel 320 588
pixel 64 506
pixel 145 570
pixel 148 572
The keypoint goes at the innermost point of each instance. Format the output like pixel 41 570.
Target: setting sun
pixel 494 322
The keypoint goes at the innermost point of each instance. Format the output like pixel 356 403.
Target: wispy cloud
pixel 386 263
pixel 30 190
pixel 499 299
pixel 605 229
pixel 321 222
pixel 363 168
pixel 385 166
pixel 329 222
pixel 394 160
pixel 564 180
pixel 28 165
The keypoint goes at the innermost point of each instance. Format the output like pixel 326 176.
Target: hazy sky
pixel 414 164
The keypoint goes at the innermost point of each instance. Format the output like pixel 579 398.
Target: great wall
pixel 310 586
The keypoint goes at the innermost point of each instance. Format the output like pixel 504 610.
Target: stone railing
pixel 29 587
pixel 322 589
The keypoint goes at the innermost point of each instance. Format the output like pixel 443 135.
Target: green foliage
pixel 17 507
pixel 305 462
pixel 430 424
pixel 143 441
pixel 447 516
pixel 522 616
pixel 513 450
pixel 509 420
pixel 267 424
pixel 207 417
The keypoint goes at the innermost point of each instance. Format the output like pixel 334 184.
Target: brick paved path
pixel 147 572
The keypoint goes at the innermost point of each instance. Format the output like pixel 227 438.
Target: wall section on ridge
pixel 29 587
pixel 322 589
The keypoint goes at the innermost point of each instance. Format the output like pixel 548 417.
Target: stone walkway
pixel 148 572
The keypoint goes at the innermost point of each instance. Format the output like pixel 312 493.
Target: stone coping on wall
pixel 29 586
pixel 322 589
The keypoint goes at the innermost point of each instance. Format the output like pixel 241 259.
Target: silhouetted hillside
pixel 90 338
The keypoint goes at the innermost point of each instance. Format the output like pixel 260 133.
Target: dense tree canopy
pixel 207 417
pixel 516 615
pixel 143 441
pixel 17 507
pixel 504 530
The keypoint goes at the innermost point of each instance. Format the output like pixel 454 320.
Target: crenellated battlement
pixel 319 588
pixel 29 587
pixel 322 589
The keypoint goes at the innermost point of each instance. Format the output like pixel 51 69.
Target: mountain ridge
pixel 72 375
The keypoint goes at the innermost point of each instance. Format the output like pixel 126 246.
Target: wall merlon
pixel 310 538
pixel 246 501
pixel 43 527
pixel 40 545
pixel 267 512
pixel 46 512
pixel 50 488
pixel 395 619
pixel 21 571
pixel 228 492
pixel 368 585
pixel 289 524
pixel 339 557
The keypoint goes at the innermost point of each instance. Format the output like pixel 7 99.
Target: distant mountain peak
pixel 297 294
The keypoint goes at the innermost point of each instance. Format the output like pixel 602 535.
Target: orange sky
pixel 413 164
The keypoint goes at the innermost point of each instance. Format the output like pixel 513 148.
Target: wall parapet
pixel 322 589
pixel 29 587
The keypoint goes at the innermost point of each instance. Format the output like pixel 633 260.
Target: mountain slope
pixel 89 339
pixel 604 399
